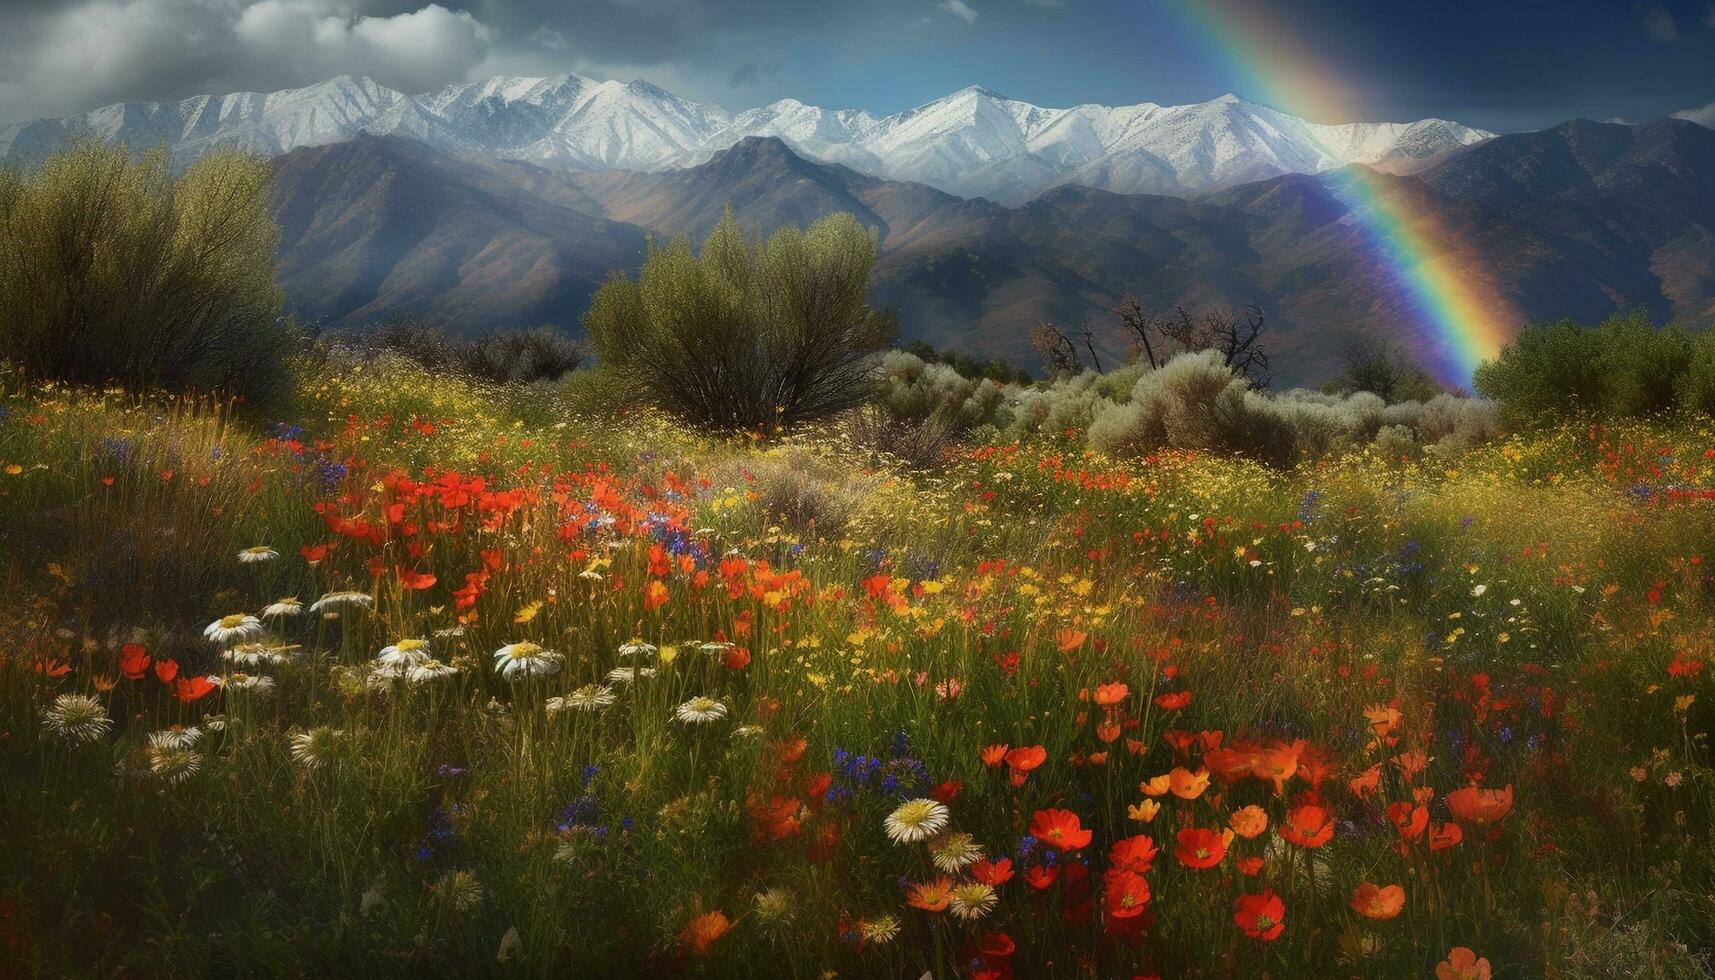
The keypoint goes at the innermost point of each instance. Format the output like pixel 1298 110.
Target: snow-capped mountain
pixel 971 143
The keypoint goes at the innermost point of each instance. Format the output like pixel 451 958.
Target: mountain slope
pixel 377 225
pixel 973 142
pixel 382 225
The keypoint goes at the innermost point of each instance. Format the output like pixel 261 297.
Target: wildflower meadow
pixel 431 676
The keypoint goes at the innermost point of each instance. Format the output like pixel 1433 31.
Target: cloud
pixel 959 9
pixel 93 52
pixel 1703 117
pixel 750 73
pixel 1660 25
pixel 546 37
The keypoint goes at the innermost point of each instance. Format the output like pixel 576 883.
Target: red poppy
pixel 166 670
pixel 1481 806
pixel 1059 829
pixel 1040 877
pixel 1136 854
pixel 1261 916
pixel 996 872
pixel 947 792
pixel 1127 894
pixel 1200 848
pixel 736 658
pixel 1409 820
pixel 1308 825
pixel 1250 866
pixel 133 661
pixel 1443 836
pixel 1022 760
pixel 1174 701
pixel 415 580
pixel 188 689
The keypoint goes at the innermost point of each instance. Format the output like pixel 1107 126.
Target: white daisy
pixel 622 675
pixel 236 628
pixel 260 553
pixel 972 900
pixel 637 648
pixel 429 671
pixel 880 930
pixel 318 747
pixel 289 606
pixel 590 697
pixel 335 601
pixel 177 736
pixel 170 759
pixel 462 889
pixel 258 654
pixel 699 710
pixel 257 684
pixel 525 660
pixel 405 653
pixel 955 852
pixel 77 718
pixel 916 820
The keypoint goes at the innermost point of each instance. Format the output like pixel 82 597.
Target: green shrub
pixel 523 356
pixel 748 334
pixel 113 271
pixel 1624 367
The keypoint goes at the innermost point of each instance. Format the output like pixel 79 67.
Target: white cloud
pixel 959 9
pixel 1704 116
pixel 94 52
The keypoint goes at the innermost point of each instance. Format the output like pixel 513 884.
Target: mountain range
pixel 1572 221
pixel 971 143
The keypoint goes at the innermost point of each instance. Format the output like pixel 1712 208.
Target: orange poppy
pixel 1174 701
pixel 1462 964
pixel 1059 829
pixel 1070 640
pixel 701 932
pixel 1200 848
pixel 1187 785
pixel 1111 694
pixel 993 755
pixel 1261 916
pixel 931 896
pixel 1249 821
pixel 1378 902
pixel 1308 825
pixel 1481 806
pixel 1156 785
pixel 1366 782
pixel 1277 763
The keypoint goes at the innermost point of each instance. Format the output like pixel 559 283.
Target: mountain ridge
pixel 971 143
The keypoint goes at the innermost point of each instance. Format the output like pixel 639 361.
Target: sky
pixel 1505 65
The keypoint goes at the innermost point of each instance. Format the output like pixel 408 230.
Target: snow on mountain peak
pixel 972 142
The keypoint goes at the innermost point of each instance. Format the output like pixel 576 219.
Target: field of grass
pixel 438 679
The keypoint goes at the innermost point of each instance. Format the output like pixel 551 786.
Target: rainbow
pixel 1458 305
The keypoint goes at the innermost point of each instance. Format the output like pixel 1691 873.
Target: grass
pixel 1534 613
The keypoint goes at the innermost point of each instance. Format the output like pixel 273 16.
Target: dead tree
pixel 1235 334
pixel 1059 354
pixel 1140 324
